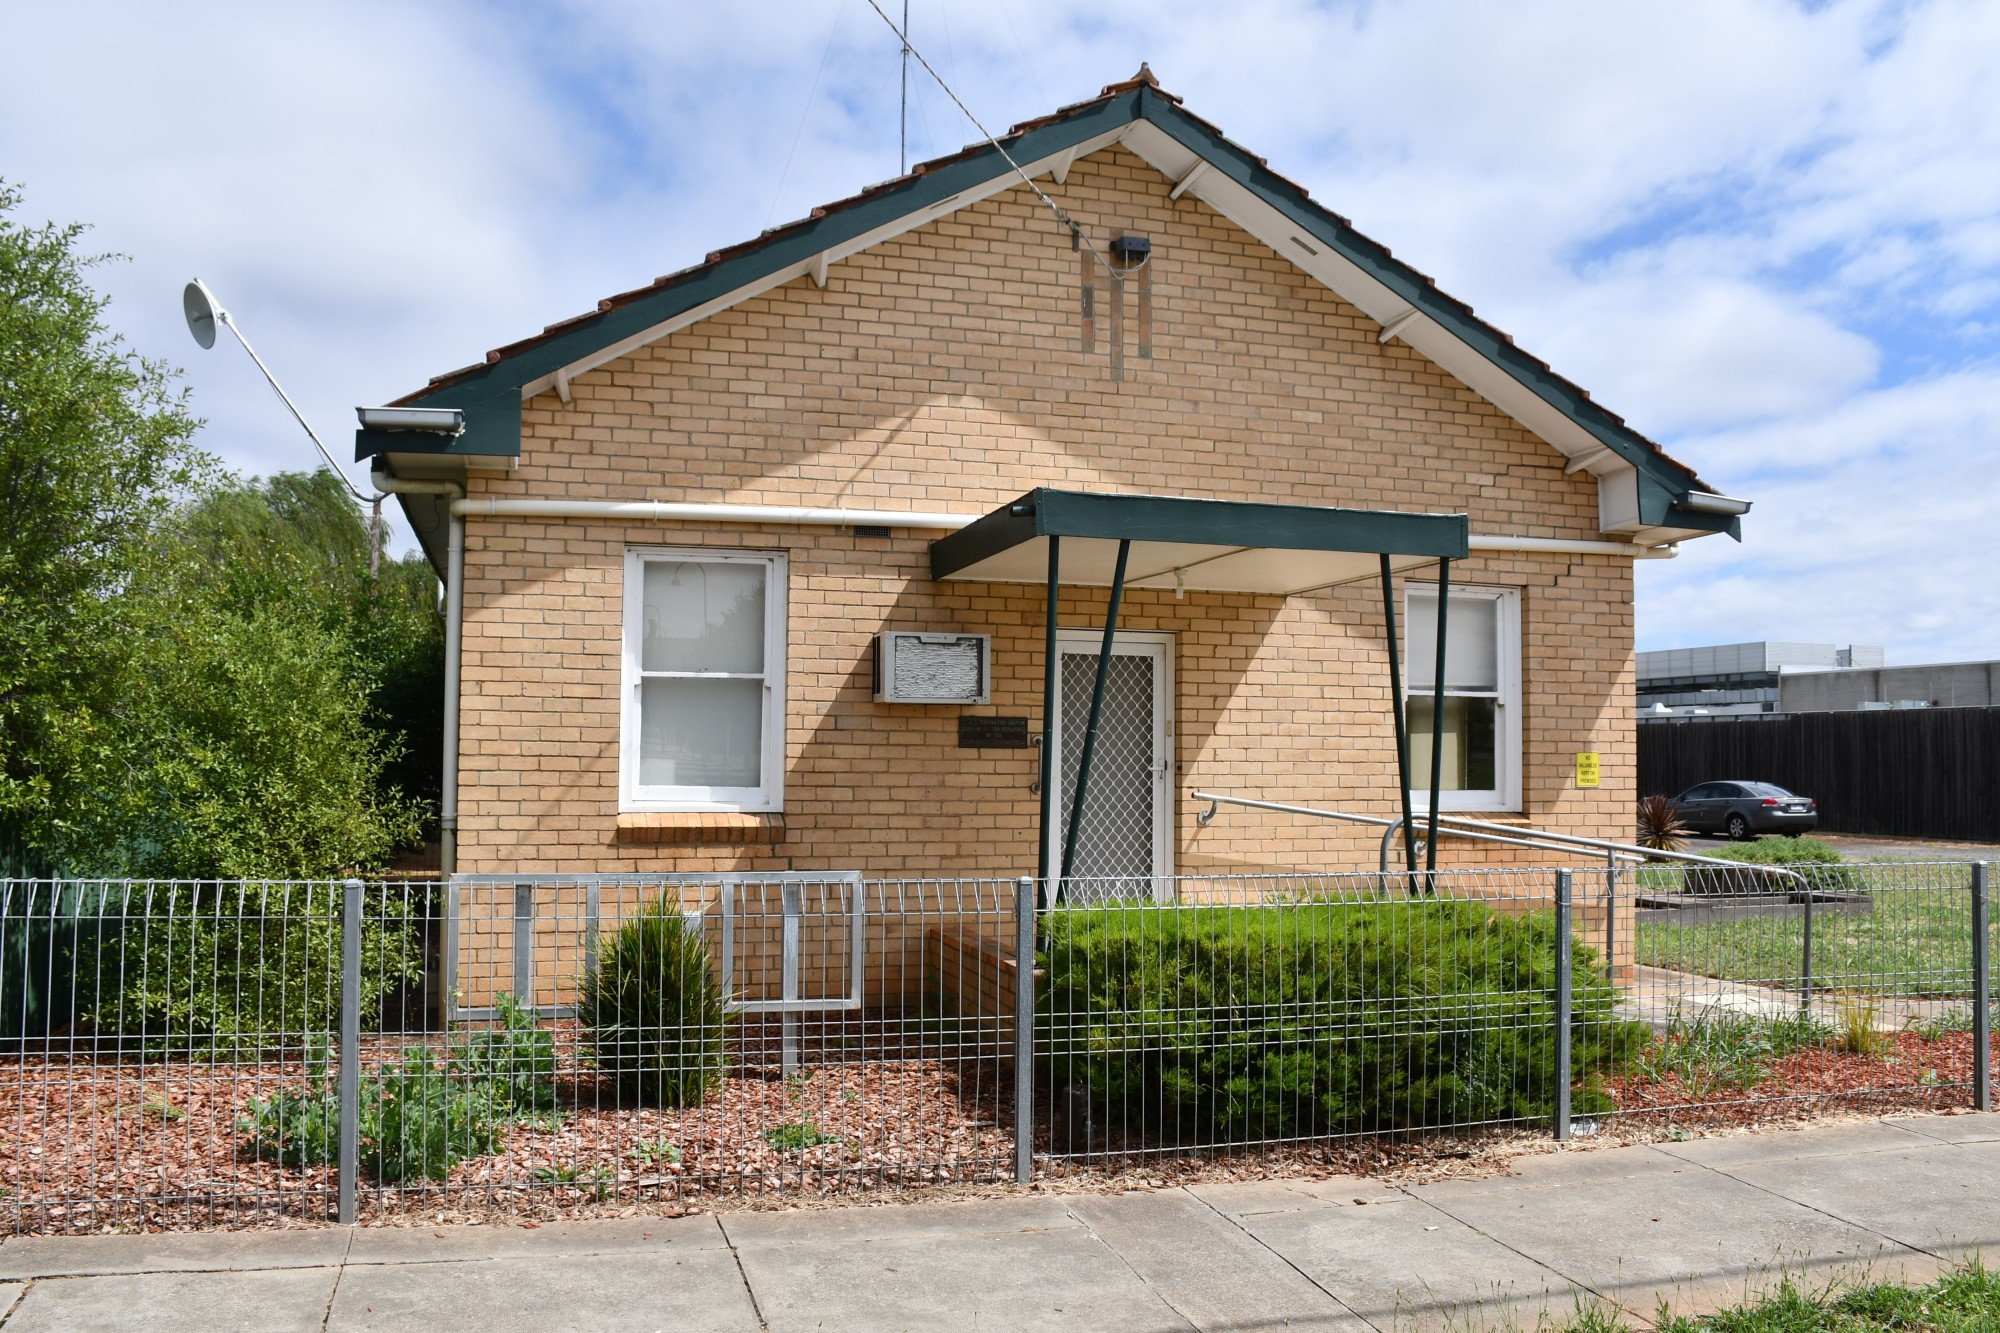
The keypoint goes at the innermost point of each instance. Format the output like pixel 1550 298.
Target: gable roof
pixel 1643 491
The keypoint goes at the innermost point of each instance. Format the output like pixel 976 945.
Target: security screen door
pixel 1124 847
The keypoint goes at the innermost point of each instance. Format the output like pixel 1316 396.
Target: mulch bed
pixel 1915 1074
pixel 92 1144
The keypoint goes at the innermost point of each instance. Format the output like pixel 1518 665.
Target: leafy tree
pixel 198 676
pixel 96 450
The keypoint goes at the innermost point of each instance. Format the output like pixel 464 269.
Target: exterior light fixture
pixel 203 313
pixel 429 420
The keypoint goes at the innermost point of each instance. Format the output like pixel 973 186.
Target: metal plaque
pixel 992 733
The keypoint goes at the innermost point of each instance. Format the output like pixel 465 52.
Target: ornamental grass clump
pixel 652 1014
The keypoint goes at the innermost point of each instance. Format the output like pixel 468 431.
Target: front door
pixel 1124 846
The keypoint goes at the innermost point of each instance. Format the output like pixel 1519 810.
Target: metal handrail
pixel 1390 825
pixel 1461 827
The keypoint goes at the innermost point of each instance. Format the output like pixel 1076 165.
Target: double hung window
pixel 1480 761
pixel 704 709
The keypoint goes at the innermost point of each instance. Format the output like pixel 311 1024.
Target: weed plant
pixel 1716 1049
pixel 421 1116
pixel 1965 1300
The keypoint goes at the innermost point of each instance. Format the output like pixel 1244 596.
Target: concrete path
pixel 1697 1223
pixel 1659 997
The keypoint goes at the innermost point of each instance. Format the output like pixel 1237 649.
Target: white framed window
pixel 1481 753
pixel 703 719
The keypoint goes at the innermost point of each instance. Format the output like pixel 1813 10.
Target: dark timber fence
pixel 1909 773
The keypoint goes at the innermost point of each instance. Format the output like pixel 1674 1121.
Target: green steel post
pixel 1049 662
pixel 1096 711
pixel 1437 724
pixel 1402 720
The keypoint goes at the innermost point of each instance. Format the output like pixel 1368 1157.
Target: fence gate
pixel 793 944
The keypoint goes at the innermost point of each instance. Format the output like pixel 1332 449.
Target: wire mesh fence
pixel 199 1054
pixel 1783 989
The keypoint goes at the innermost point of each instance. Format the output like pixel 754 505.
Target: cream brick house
pixel 674 529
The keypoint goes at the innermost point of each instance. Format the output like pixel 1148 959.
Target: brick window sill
pixel 701 829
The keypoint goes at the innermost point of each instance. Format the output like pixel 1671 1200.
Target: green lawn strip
pixel 1966 1300
pixel 1916 940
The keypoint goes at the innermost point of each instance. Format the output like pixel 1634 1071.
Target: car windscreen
pixel 1766 789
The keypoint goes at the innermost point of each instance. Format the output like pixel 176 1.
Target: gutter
pixel 659 511
pixel 454 623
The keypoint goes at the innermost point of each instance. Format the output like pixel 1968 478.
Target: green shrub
pixel 420 1122
pixel 516 1061
pixel 421 1117
pixel 297 1126
pixel 1272 1022
pixel 652 1015
pixel 1818 863
pixel 234 966
pixel 1780 852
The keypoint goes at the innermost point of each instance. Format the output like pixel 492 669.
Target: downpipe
pixel 454 620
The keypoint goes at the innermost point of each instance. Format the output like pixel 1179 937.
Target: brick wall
pixel 941 371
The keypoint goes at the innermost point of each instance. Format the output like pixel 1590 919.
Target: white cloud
pixel 1873 524
pixel 1740 223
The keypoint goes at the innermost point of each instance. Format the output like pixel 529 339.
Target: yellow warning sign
pixel 1586 768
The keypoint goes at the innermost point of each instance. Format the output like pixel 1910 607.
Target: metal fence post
pixel 1024 1030
pixel 791 899
pixel 1610 915
pixel 1982 996
pixel 524 944
pixel 1805 962
pixel 1563 951
pixel 350 1044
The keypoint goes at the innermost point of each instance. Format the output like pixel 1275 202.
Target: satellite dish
pixel 202 311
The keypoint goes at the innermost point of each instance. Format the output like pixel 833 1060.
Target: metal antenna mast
pixel 903 151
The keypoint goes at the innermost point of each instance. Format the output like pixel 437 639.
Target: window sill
pixel 691 828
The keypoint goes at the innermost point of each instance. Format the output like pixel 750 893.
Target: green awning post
pixel 1402 720
pixel 1437 727
pixel 1049 660
pixel 1096 710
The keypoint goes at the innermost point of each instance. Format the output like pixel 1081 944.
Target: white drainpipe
pixel 659 511
pixel 454 620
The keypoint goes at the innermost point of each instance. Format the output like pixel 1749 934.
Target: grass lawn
pixel 1967 1301
pixel 1916 941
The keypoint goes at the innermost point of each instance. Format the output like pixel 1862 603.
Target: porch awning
pixel 1183 542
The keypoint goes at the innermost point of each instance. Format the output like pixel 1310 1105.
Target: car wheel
pixel 1738 828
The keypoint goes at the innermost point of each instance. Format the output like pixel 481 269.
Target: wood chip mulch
pixel 90 1145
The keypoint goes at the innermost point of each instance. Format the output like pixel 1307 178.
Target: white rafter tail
pixel 1394 328
pixel 1589 460
pixel 1188 178
pixel 562 384
pixel 1059 169
pixel 820 264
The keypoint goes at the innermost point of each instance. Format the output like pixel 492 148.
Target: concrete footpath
pixel 1697 1223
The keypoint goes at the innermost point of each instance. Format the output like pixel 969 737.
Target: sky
pixel 1765 233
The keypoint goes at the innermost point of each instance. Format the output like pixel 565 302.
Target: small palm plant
pixel 652 1014
pixel 1660 826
